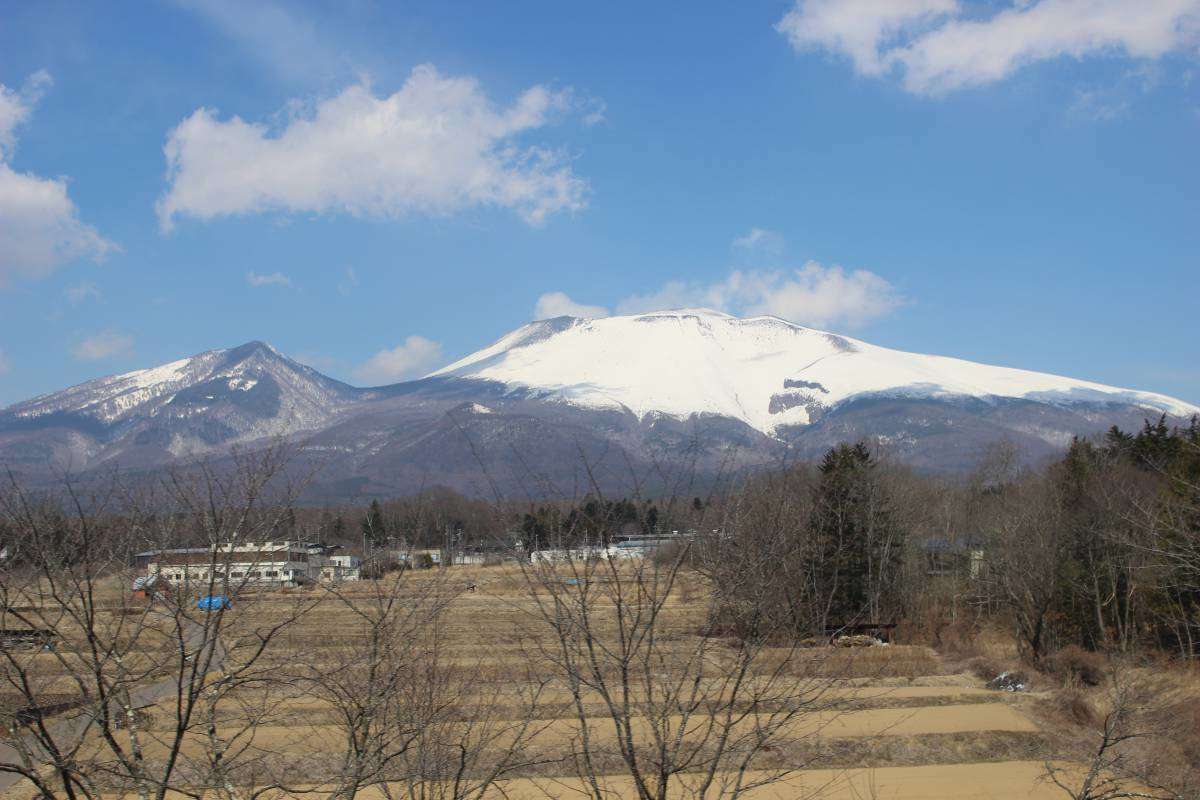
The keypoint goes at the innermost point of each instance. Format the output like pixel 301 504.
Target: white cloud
pixel 5 363
pixel 940 46
pixel 859 28
pixel 39 226
pixel 80 292
pixel 408 360
pixel 436 146
pixel 812 295
pixel 15 108
pixel 760 240
pixel 273 279
pixel 105 344
pixel 558 304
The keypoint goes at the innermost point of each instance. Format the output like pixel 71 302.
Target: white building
pixel 411 556
pixel 341 568
pixel 282 563
pixel 639 546
pixel 584 554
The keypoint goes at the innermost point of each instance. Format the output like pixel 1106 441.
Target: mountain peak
pixel 251 348
pixel 253 379
pixel 762 370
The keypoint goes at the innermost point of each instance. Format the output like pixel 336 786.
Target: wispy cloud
pixel 410 359
pixel 594 112
pixel 278 37
pixel 348 283
pixel 558 304
pixel 437 146
pixel 273 279
pixel 941 46
pixel 1115 101
pixel 759 240
pixel 79 293
pixel 40 228
pixel 106 344
pixel 16 106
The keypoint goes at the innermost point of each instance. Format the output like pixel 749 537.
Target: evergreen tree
pixel 1155 445
pixel 1117 442
pixel 373 528
pixel 857 546
pixel 540 529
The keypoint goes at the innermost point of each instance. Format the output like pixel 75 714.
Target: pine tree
pixel 373 528
pixel 1117 442
pixel 858 546
pixel 1155 446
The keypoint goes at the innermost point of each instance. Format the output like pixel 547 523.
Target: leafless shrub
pixel 1075 707
pixel 1129 746
pixel 985 668
pixel 1075 666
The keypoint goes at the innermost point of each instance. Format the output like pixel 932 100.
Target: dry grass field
pixel 904 725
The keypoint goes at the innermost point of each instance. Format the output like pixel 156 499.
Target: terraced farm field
pixel 895 724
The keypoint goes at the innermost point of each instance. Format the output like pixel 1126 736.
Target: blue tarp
pixel 213 602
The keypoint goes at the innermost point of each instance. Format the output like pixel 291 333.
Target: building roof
pixel 206 556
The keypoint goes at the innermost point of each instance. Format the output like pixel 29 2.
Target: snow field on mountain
pixel 698 361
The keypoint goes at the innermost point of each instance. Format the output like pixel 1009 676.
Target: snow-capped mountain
pixel 622 394
pixel 764 371
pixel 212 400
pixel 254 374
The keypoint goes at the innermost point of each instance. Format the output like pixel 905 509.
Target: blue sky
pixel 378 188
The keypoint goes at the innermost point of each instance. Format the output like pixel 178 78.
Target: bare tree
pixel 370 684
pixel 402 718
pixel 701 715
pixel 1166 525
pixel 479 735
pixel 1027 550
pixel 111 662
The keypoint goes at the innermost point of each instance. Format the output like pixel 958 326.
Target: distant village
pixel 290 563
